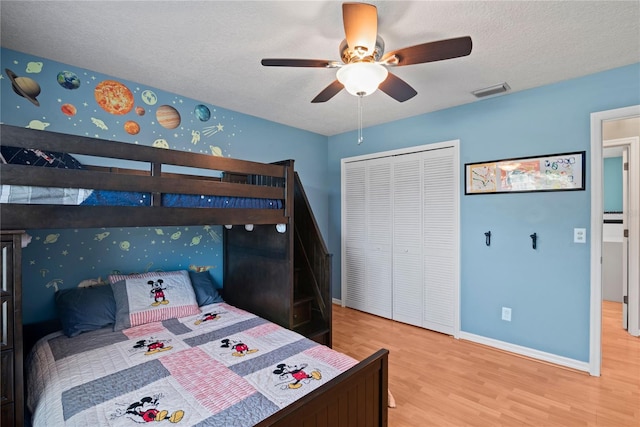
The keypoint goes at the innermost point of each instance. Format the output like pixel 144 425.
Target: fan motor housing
pixel 360 54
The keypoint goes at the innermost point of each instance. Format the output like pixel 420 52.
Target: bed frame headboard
pixel 239 178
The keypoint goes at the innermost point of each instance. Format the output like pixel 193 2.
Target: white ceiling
pixel 211 50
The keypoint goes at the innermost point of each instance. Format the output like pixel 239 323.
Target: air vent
pixel 491 90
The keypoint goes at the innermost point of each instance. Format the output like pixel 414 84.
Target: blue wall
pixel 612 176
pixel 63 258
pixel 548 289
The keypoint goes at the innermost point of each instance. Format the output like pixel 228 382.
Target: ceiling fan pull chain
pixel 360 138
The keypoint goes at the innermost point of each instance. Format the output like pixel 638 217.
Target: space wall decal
pixel 50 96
pixel 114 97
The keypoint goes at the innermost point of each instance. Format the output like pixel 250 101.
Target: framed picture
pixel 553 172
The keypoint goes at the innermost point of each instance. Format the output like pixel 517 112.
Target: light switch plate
pixel 579 235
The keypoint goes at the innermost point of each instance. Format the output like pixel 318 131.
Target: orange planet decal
pixel 114 97
pixel 68 110
pixel 168 116
pixel 131 127
pixel 140 111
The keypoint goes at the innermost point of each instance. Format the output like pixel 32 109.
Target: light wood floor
pixel 440 381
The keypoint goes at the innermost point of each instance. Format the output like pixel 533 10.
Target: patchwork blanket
pixel 223 367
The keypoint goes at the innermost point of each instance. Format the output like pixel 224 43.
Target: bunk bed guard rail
pixel 210 176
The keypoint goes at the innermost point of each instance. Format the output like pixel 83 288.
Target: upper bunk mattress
pixel 88 197
pixel 80 196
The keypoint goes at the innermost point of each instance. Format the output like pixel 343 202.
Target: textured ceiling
pixel 211 50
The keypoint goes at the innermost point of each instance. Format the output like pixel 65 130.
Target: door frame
pixel 595 312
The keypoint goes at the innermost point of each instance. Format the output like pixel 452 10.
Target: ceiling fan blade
pixel 315 63
pixel 397 88
pixel 429 52
pixel 360 25
pixel 328 92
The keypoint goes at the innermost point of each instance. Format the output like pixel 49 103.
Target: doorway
pixel 617 202
pixel 599 121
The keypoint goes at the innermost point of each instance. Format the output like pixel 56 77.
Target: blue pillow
pixel 205 289
pixel 85 309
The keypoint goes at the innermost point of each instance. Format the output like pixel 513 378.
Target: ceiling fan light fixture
pixel 362 78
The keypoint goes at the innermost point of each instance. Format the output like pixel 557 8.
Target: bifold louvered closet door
pixel 400 241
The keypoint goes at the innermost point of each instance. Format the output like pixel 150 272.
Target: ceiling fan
pixel 364 65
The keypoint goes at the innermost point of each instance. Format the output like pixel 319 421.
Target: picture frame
pixel 551 172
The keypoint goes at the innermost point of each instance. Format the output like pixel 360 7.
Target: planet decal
pixel 113 97
pixel 149 97
pixel 176 235
pixel 160 143
pixel 69 110
pixel 34 67
pixel 131 127
pixel 24 86
pixel 37 124
pixel 215 151
pixel 168 117
pixel 125 245
pixel 140 111
pixel 51 238
pixel 202 112
pixel 68 80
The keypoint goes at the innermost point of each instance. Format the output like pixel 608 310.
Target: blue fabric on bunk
pixel 117 198
pixel 124 198
pixel 24 156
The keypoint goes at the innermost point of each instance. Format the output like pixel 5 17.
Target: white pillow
pixel 152 297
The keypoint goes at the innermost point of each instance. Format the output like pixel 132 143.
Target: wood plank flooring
pixel 440 381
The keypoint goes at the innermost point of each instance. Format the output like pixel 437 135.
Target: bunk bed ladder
pixel 312 273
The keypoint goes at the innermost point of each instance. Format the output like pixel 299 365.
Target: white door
pixel 408 287
pixel 354 213
pixel 379 279
pixel 440 239
pixel 400 245
pixel 367 268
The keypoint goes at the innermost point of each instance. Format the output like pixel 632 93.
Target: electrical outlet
pixel 506 314
pixel 579 235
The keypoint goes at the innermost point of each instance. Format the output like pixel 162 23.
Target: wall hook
pixel 487 236
pixel 534 239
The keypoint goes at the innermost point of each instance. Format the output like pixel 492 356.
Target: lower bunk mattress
pixel 222 367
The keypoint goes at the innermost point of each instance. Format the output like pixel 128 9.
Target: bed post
pixel 289 184
pixel 156 171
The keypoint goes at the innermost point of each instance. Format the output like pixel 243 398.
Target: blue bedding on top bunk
pixel 52 159
pixel 124 198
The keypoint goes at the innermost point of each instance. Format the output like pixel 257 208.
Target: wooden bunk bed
pixel 278 260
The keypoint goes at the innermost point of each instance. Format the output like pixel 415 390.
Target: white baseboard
pixel 526 351
pixel 337 301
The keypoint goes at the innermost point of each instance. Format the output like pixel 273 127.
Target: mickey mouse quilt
pixel 222 367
